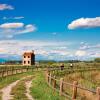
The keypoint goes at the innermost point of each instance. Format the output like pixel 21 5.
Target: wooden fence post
pixel 11 71
pixel 32 68
pixel 75 83
pixel 50 79
pixel 7 72
pixel 47 75
pixel 27 68
pixel 21 70
pixel 54 82
pixel 2 73
pixel 98 93
pixel 16 70
pixel 61 86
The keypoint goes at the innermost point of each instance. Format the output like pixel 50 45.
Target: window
pixel 28 56
pixel 24 62
pixel 28 62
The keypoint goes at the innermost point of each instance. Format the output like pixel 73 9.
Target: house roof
pixel 28 53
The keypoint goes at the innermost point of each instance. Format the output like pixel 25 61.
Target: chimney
pixel 32 51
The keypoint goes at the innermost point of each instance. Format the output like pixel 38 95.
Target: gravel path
pixel 7 90
pixel 28 85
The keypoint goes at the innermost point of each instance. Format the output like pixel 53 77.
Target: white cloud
pixel 6 7
pixel 60 51
pixel 85 23
pixel 87 51
pixel 44 48
pixel 11 25
pixel 94 54
pixel 9 30
pixel 28 28
pixel 20 17
pixel 8 18
pixel 80 53
pixel 87 47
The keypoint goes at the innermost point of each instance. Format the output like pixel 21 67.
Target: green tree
pixel 97 60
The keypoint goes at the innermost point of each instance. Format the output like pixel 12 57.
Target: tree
pixel 97 59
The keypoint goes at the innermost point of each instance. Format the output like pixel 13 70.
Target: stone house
pixel 28 58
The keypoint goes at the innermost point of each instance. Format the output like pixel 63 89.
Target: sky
pixel 54 29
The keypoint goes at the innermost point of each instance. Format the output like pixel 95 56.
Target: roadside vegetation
pixel 19 91
pixel 89 80
pixel 41 91
pixel 10 79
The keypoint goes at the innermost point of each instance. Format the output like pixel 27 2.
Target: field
pixel 90 80
pixel 40 90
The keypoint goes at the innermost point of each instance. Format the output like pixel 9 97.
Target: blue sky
pixel 55 29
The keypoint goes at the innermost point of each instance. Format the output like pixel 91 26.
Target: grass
pixel 9 79
pixel 19 90
pixel 0 95
pixel 88 79
pixel 41 91
pixel 85 80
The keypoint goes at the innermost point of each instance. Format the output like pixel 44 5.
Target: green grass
pixel 41 91
pixel 0 95
pixel 9 79
pixel 19 90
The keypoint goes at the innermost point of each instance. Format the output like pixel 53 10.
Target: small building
pixel 28 58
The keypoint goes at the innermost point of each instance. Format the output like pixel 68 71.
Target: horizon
pixel 55 29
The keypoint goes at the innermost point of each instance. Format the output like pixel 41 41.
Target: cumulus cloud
pixel 80 53
pixel 11 25
pixel 28 28
pixel 86 51
pixel 6 7
pixel 8 30
pixel 85 23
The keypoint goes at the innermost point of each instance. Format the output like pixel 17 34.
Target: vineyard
pixel 82 82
